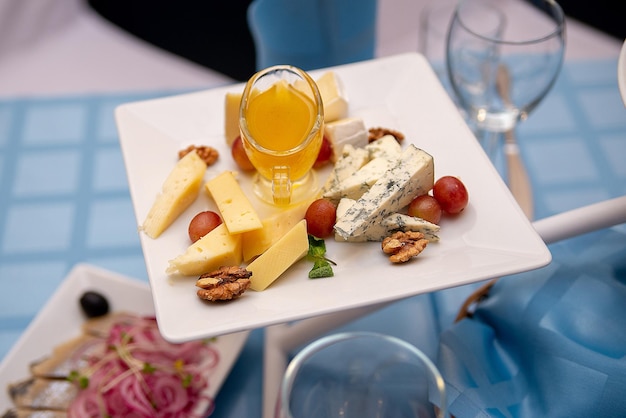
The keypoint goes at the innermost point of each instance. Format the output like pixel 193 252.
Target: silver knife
pixel 518 180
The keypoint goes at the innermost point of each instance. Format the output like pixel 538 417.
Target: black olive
pixel 94 304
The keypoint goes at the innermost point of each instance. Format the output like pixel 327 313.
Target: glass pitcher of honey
pixel 281 121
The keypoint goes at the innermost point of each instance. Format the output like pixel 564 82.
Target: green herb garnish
pixel 81 380
pixel 317 254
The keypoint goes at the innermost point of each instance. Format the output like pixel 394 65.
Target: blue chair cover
pixel 312 34
pixel 548 343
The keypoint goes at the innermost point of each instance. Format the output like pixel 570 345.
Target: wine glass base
pixel 303 189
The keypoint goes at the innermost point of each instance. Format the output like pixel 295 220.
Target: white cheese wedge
pixel 412 175
pixel 215 249
pixel 386 147
pixel 235 208
pixel 290 248
pixel 179 190
pixel 231 116
pixel 348 131
pixel 349 162
pixel 333 96
pixel 360 182
pixel 274 227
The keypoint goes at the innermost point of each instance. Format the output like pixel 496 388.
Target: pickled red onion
pixel 135 373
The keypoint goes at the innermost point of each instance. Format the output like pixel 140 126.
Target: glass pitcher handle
pixel 281 185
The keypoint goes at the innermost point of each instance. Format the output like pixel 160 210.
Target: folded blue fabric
pixel 312 34
pixel 548 343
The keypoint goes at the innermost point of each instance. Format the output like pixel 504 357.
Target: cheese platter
pixel 491 238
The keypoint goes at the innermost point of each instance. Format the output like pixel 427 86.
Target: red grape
pixel 320 218
pixel 202 224
pixel 425 207
pixel 326 151
pixel 239 155
pixel 451 194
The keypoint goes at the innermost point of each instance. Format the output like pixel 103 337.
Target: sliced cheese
pixel 386 147
pixel 350 161
pixel 402 222
pixel 236 210
pixel 390 224
pixel 231 116
pixel 333 96
pixel 274 227
pixel 342 132
pixel 215 249
pixel 342 207
pixel 411 176
pixel 180 189
pixel 290 248
pixel 360 182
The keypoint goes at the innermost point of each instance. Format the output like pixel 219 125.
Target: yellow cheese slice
pixel 279 257
pixel 231 116
pixel 215 249
pixel 180 189
pixel 335 101
pixel 274 227
pixel 235 208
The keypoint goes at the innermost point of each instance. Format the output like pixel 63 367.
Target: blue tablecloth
pixel 64 199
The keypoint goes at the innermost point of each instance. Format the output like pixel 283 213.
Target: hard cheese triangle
pixel 279 257
pixel 179 190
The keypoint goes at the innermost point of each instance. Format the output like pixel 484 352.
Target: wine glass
pixel 499 77
pixel 361 375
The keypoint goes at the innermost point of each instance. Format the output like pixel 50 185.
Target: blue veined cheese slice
pixel 412 175
pixel 386 146
pixel 390 224
pixel 373 232
pixel 350 161
pixel 359 168
pixel 360 182
pixel 402 222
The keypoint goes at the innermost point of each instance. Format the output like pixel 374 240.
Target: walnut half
pixel 402 246
pixel 225 283
pixel 208 154
pixel 378 132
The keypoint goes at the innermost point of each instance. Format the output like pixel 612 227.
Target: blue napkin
pixel 549 343
pixel 312 34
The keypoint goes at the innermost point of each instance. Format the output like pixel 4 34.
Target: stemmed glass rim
pixel 311 349
pixel 557 14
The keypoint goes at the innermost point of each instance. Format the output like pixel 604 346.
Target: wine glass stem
pixel 491 143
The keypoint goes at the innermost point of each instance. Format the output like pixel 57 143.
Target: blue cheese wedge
pixel 402 222
pixel 360 182
pixel 384 147
pixel 359 168
pixel 390 224
pixel 373 233
pixel 412 175
pixel 347 131
pixel 350 161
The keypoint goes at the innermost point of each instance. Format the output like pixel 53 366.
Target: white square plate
pixel 61 319
pixel 491 238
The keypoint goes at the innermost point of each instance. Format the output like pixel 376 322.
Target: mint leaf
pixel 317 247
pixel 320 270
pixel 321 265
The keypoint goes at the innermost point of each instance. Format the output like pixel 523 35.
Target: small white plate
pixel 61 319
pixel 491 238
